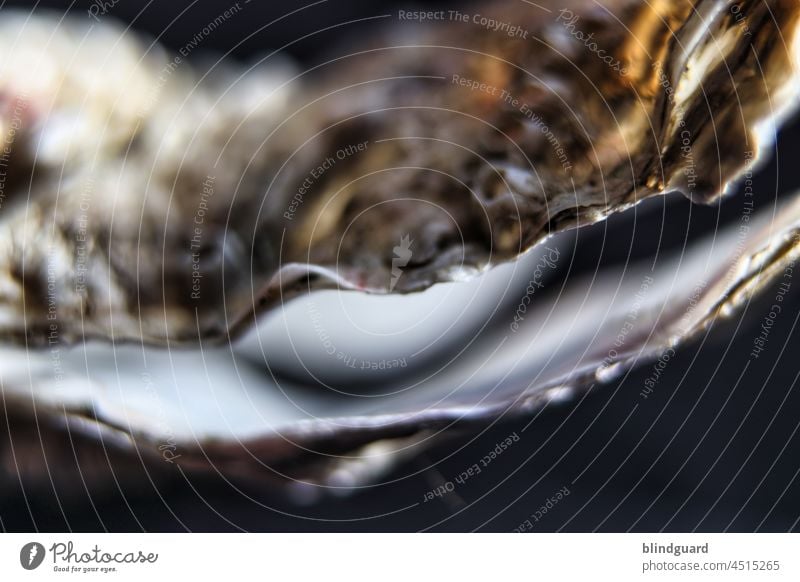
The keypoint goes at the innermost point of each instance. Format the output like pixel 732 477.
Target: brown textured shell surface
pixel 473 146
pixel 169 206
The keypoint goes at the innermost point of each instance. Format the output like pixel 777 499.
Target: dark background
pixel 702 453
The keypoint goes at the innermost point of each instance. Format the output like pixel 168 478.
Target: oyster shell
pixel 153 204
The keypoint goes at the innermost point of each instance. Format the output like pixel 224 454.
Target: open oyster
pixel 159 218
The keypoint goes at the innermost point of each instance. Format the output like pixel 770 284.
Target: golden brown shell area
pixel 470 139
pixel 499 140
